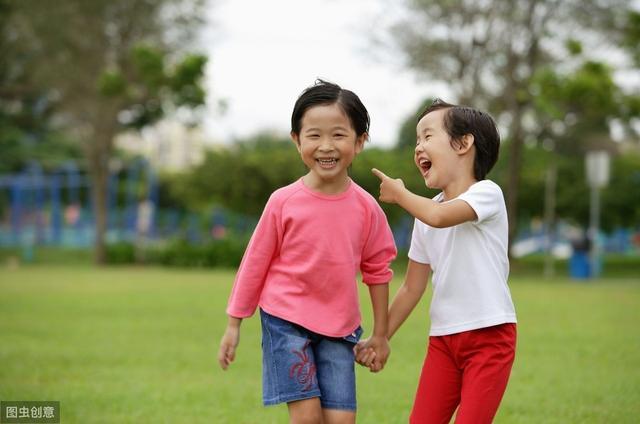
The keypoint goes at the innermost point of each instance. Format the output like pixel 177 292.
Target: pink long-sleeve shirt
pixel 302 261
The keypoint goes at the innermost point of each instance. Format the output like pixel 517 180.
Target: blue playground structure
pixel 56 208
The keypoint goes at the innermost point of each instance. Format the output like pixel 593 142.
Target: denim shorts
pixel 300 364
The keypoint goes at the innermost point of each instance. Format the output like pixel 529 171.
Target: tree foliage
pixel 240 177
pixel 490 52
pixel 106 65
pixel 27 132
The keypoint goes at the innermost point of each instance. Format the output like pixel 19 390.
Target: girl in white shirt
pixel 461 236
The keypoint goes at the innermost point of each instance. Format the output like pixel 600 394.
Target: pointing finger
pixel 379 174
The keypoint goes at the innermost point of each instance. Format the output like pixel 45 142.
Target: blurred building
pixel 168 145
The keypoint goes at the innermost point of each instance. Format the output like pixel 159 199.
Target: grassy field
pixel 138 345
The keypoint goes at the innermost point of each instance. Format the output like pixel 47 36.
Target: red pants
pixel 468 370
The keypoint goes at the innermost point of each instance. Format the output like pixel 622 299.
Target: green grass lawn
pixel 139 345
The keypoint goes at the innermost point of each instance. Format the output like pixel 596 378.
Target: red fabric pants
pixel 467 370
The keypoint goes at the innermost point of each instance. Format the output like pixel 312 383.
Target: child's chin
pixel 428 185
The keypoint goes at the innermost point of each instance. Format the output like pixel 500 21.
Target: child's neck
pixel 333 186
pixel 458 186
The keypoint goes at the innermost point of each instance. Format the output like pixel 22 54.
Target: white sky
pixel 262 54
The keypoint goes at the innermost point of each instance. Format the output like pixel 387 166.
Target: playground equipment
pixel 56 208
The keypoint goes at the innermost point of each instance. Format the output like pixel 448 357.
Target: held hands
pixel 372 352
pixel 390 188
pixel 228 345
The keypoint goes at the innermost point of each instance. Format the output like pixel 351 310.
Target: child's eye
pixel 426 138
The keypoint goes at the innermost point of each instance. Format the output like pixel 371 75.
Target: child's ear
pixel 296 139
pixel 466 143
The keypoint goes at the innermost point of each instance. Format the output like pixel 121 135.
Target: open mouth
pixel 327 163
pixel 425 165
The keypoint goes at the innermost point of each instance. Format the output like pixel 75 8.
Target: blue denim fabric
pixel 300 364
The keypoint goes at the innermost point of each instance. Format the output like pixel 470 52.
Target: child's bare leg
pixel 336 416
pixel 306 411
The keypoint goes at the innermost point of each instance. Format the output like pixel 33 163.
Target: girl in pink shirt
pixel 301 265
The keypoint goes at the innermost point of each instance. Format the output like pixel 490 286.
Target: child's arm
pixel 405 300
pixel 378 341
pixel 250 279
pixel 437 215
pixel 408 295
pixel 229 342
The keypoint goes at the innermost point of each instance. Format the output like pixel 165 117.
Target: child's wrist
pixel 401 196
pixel 234 322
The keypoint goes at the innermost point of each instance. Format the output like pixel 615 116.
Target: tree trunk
pixel 99 179
pixel 100 153
pixel 550 213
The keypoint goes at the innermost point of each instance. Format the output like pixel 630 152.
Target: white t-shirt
pixel 469 263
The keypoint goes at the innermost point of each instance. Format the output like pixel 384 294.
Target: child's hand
pixel 381 348
pixel 228 345
pixel 373 352
pixel 364 355
pixel 390 188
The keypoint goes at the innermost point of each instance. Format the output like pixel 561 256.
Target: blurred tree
pixel 240 177
pixel 574 112
pixel 575 109
pixel 572 204
pixel 631 43
pixel 621 204
pixel 631 36
pixel 107 65
pixel 489 52
pixel 26 129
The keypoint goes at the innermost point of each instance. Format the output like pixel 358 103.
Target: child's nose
pixel 326 144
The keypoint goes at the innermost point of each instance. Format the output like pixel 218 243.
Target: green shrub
pixel 224 253
pixel 120 253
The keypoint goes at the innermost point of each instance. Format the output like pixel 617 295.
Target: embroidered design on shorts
pixel 303 371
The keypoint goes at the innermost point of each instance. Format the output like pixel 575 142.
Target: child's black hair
pixel 462 120
pixel 327 93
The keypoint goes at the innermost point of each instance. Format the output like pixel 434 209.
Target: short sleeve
pixel 379 250
pixel 418 250
pixel 486 199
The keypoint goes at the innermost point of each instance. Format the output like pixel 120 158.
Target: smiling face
pixel 434 156
pixel 327 144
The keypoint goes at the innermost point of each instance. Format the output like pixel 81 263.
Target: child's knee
pixel 306 411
